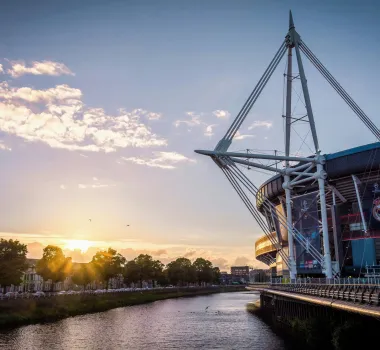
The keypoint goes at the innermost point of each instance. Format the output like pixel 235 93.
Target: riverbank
pixel 19 312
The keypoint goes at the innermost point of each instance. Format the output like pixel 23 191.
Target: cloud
pixel 219 113
pixel 82 257
pixel 221 263
pixel 209 130
pixel 154 116
pixel 260 123
pixel 83 155
pixel 58 117
pixel 62 187
pixel 242 261
pixel 163 160
pixel 195 120
pixel 130 253
pixel 35 250
pixel 190 253
pixel 145 113
pixel 19 68
pixel 95 178
pixel 85 186
pixel 239 136
pixel 59 93
pixel 1 68
pixel 4 147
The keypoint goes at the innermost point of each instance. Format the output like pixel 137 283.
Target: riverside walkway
pixel 345 295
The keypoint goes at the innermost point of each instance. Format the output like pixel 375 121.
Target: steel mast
pixel 288 119
pixel 307 170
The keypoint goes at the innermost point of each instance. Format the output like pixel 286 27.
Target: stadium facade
pixel 353 208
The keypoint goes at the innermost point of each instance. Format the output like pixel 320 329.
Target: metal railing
pixel 356 290
pixel 373 281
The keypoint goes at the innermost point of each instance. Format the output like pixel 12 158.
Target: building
pixel 31 281
pixel 353 215
pixel 259 275
pixel 225 278
pixel 240 273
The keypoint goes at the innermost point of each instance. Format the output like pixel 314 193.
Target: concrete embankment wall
pixel 315 326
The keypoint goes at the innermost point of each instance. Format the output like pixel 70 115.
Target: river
pixel 218 321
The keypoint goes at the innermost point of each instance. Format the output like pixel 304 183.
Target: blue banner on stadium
pixel 305 220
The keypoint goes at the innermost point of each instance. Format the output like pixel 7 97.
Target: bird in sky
pixel 206 308
pixel 127 225
pixel 89 220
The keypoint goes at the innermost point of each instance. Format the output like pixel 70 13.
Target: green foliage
pixel 83 274
pixel 107 264
pixel 355 334
pixel 204 270
pixel 215 275
pixel 143 268
pixel 314 332
pixel 16 312
pixel 12 261
pixel 132 272
pixel 53 265
pixel 181 272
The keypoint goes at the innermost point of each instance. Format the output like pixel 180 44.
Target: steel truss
pixel 306 170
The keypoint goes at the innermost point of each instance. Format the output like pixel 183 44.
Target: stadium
pixel 353 208
pixel 320 215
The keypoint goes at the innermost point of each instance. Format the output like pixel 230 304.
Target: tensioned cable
pixel 302 140
pixel 339 89
pixel 347 98
pixel 250 206
pixel 253 189
pixel 254 212
pixel 282 220
pixel 255 93
pixel 310 55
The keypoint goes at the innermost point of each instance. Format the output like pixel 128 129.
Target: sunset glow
pixel 80 244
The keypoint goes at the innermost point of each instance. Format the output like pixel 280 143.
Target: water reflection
pixel 171 324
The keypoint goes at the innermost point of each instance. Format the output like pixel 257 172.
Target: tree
pixel 132 272
pixel 12 261
pixel 162 278
pixel 53 265
pixel 143 268
pixel 204 270
pixel 83 274
pixel 181 272
pixel 216 275
pixel 107 264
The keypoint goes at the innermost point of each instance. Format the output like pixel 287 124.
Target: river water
pixel 182 323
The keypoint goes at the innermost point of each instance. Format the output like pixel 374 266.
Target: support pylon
pixel 306 171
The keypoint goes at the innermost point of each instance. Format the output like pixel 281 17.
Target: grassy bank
pixel 26 311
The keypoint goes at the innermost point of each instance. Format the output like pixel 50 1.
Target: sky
pixel 102 104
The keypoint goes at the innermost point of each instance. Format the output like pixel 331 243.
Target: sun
pixel 81 244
